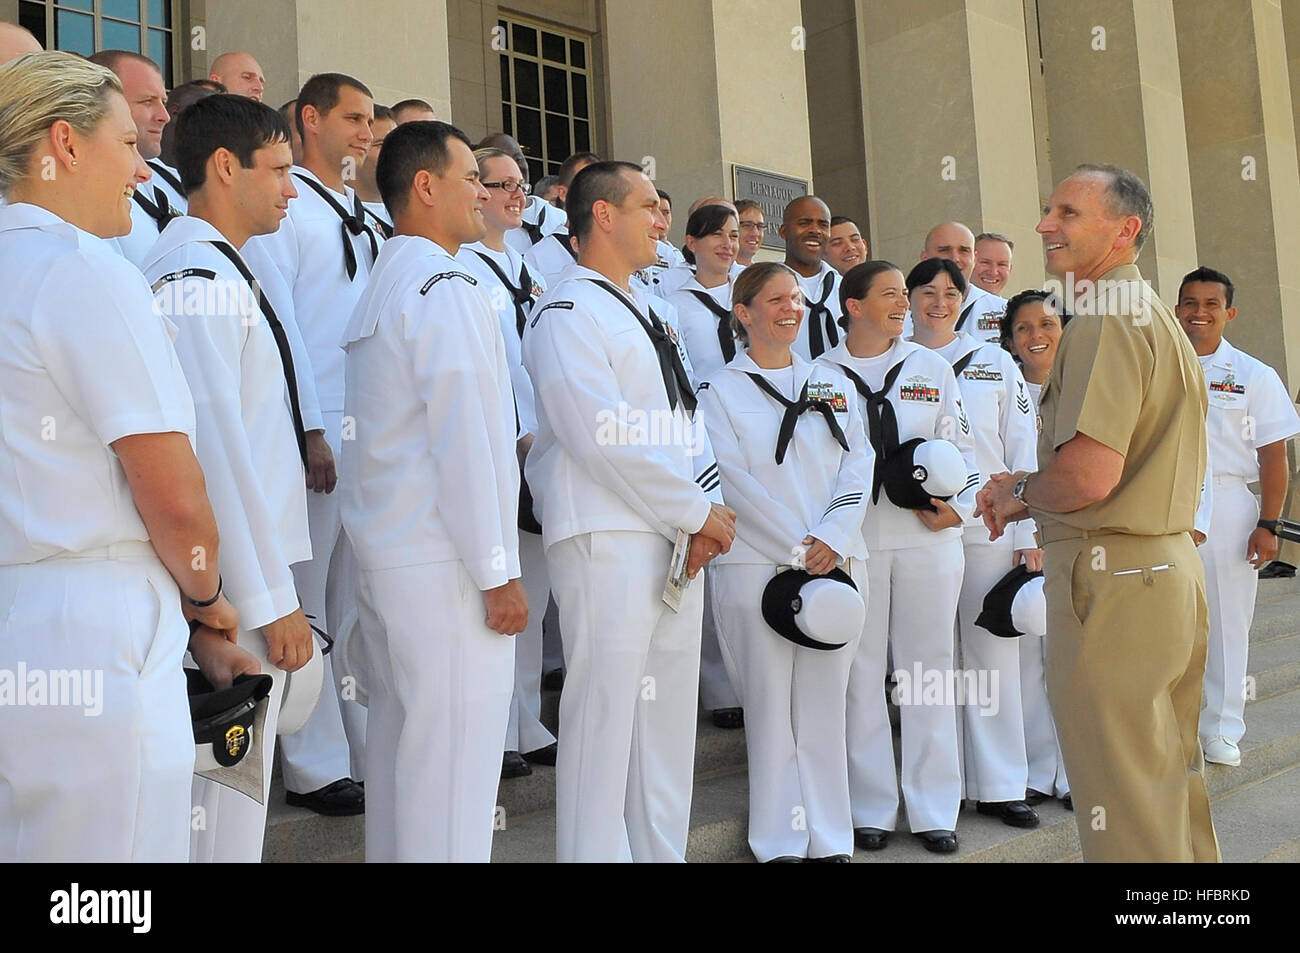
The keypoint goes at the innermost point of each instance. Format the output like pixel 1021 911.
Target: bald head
pixel 240 73
pixel 951 240
pixel 15 41
pixel 806 228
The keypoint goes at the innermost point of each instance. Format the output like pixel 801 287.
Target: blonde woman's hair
pixel 747 286
pixel 491 152
pixel 36 91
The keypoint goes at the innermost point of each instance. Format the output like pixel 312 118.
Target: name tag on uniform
pixel 919 389
pixel 826 394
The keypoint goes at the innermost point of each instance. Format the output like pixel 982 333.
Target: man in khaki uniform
pixel 1121 458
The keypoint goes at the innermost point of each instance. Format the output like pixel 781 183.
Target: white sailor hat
pixel 921 469
pixel 817 612
pixel 1016 605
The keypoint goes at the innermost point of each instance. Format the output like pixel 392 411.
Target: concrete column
pixel 949 124
pixel 1111 72
pixel 1241 145
pixel 730 90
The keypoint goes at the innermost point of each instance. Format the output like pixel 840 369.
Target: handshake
pixel 712 539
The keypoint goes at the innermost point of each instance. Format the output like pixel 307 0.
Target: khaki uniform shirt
pixel 1126 376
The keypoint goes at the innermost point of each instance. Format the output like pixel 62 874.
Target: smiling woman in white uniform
pixel 1002 423
pixel 96 436
pixel 513 291
pixel 915 573
pixel 1031 330
pixel 808 497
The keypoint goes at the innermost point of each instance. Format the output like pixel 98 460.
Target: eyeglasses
pixel 509 186
pixel 752 225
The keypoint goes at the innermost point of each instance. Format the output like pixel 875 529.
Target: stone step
pixel 1275 620
pixel 1275 666
pixel 1275 590
pixel 1259 822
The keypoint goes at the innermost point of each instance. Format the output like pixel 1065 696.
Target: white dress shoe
pixel 1222 751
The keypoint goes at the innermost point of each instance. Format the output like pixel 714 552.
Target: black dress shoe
pixel 553 680
pixel 785 859
pixel 342 798
pixel 1277 570
pixel 1034 798
pixel 870 838
pixel 832 859
pixel 514 766
pixel 1012 813
pixel 1067 802
pixel 543 755
pixel 729 718
pixel 938 842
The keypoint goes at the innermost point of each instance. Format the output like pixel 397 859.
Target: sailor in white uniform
pixel 806 228
pixel 678 274
pixel 703 308
pixel 102 501
pixel 1003 424
pixel 1249 421
pixel 152 206
pixel 501 272
pixel 620 469
pixel 540 219
pixel 323 252
pixel 915 573
pixel 981 311
pixel 250 437
pixel 1032 330
pixel 551 256
pixel 431 490
pixel 800 486
pixel 366 188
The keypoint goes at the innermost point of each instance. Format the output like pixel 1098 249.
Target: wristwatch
pixel 1019 491
pixel 1270 525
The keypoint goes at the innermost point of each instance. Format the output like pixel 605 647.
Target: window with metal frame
pixel 545 92
pixel 88 26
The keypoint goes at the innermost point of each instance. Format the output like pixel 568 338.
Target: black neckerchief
pixel 563 239
pixel 353 224
pixel 676 384
pixel 794 409
pixel 384 228
pixel 160 211
pixel 522 296
pixel 882 421
pixel 170 177
pixel 726 336
pixel 821 323
pixel 965 313
pixel 959 365
pixel 281 341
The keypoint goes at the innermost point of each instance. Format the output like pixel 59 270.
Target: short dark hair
pixel 666 197
pixel 1028 296
pixel 1128 194
pixel 178 100
pixel 705 220
pixel 383 112
pixel 322 93
pixel 843 220
pixel 570 167
pixel 410 148
pixel 1204 273
pixel 744 205
pixel 412 104
pixel 598 182
pixel 856 284
pixel 928 269
pixel 223 121
pixel 544 183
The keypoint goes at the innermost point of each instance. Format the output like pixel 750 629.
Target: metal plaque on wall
pixel 772 192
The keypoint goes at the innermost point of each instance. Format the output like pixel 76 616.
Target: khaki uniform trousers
pixel 1127 633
